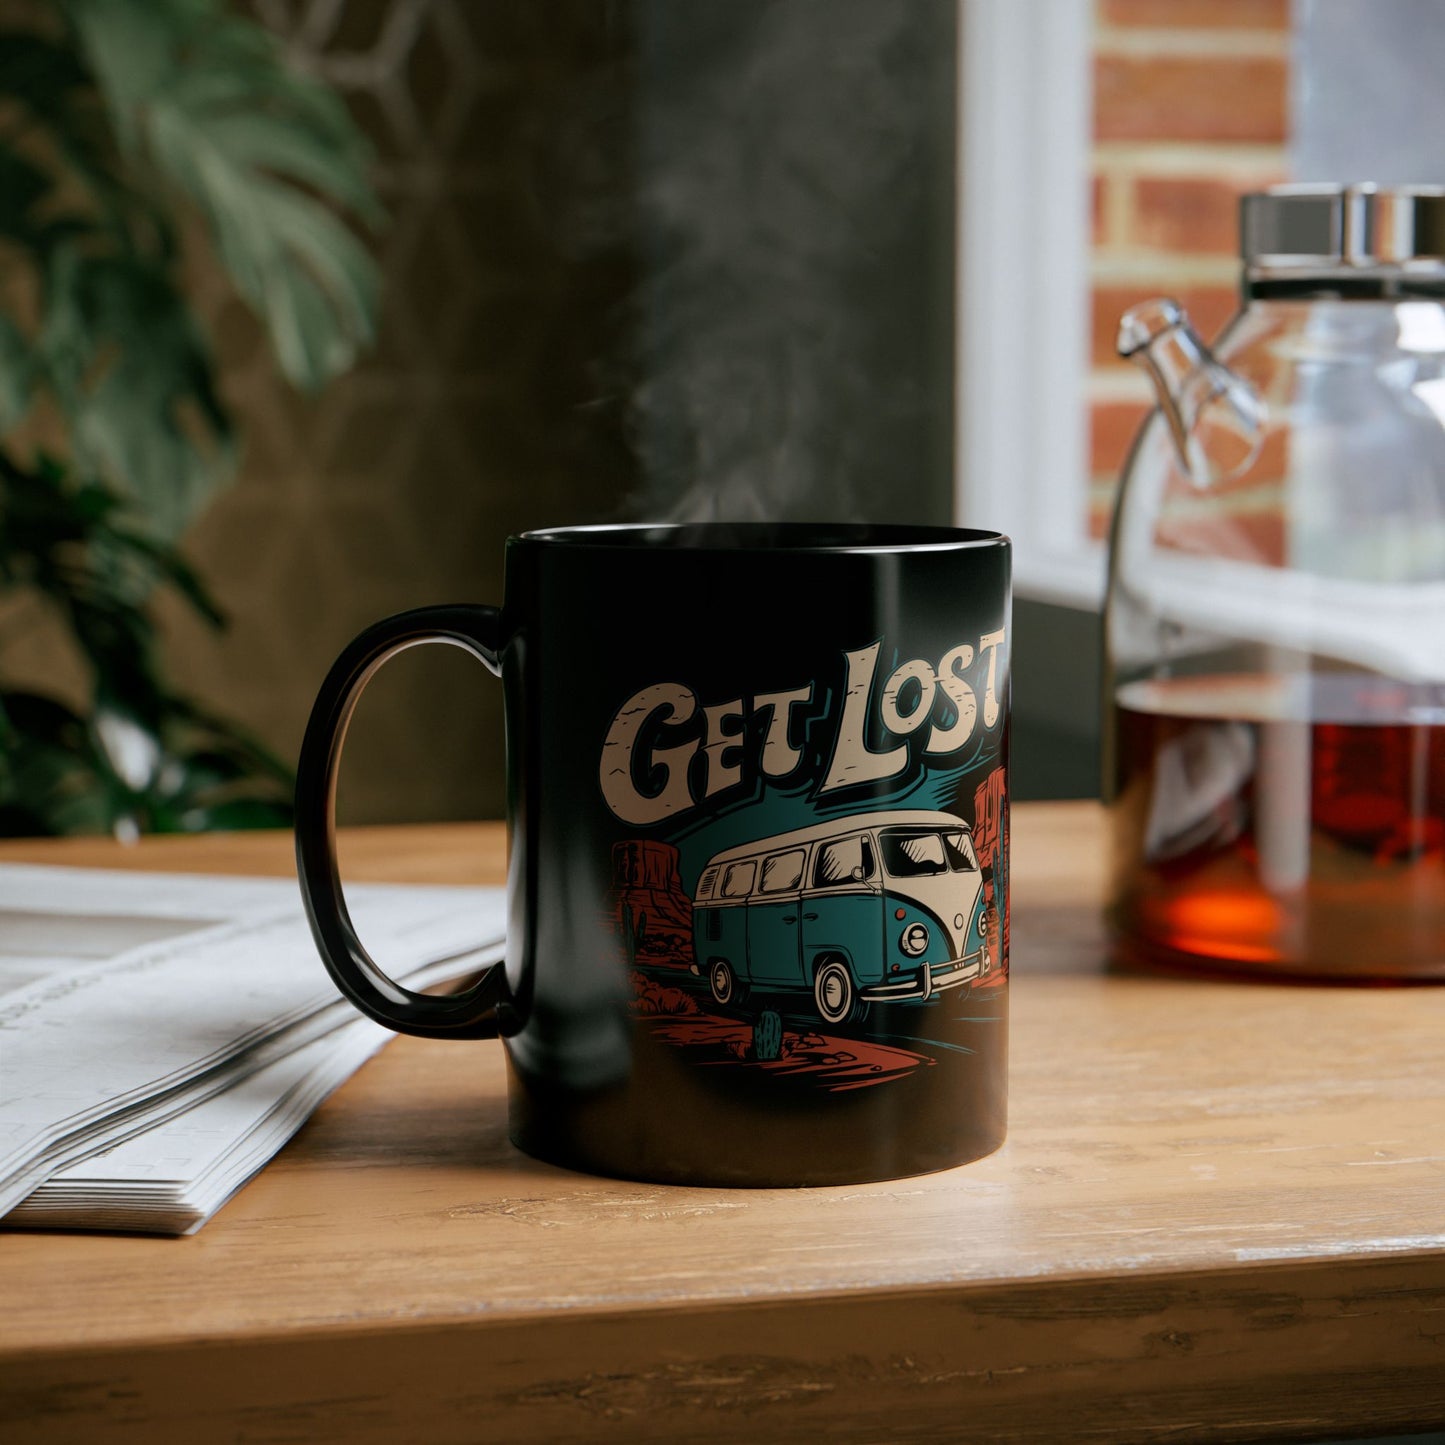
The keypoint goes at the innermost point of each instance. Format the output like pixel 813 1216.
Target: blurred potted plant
pixel 124 123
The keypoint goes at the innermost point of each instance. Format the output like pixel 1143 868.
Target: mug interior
pixel 767 536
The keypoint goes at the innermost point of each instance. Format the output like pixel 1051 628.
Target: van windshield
pixel 918 852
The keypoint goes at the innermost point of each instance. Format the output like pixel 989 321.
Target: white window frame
pixel 1021 445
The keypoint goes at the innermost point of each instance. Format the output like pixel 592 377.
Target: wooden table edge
pixel 1279 1350
pixel 1263 1273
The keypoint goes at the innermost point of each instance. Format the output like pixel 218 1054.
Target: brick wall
pixel 1190 110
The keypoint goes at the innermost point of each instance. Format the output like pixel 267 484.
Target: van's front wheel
pixel 836 996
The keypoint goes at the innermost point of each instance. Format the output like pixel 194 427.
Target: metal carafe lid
pixel 1329 227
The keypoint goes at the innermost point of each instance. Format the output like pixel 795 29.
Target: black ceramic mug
pixel 758 879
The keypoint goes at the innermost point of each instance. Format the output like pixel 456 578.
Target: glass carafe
pixel 1275 625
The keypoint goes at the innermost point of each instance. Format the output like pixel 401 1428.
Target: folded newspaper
pixel 161 1036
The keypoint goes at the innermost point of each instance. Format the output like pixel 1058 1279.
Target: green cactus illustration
pixel 767 1037
pixel 634 932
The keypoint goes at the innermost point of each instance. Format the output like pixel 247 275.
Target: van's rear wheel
pixel 724 983
pixel 835 995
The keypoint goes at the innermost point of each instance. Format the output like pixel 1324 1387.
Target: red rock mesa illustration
pixel 649 910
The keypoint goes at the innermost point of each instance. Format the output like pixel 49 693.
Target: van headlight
pixel 914 939
pixel 983 925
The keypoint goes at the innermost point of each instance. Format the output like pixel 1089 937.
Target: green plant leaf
pixel 110 118
pixel 22 186
pixel 263 151
pixel 134 378
pixel 17 370
pixel 38 72
pixel 169 566
pixel 54 95
pixel 74 546
pixel 235 742
pixel 58 774
pixel 49 782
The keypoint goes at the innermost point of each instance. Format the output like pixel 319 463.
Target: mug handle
pixel 480 1012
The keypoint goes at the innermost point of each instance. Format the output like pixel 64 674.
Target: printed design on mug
pixel 818 889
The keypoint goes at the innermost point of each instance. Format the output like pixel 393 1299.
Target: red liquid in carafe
pixel 1281 825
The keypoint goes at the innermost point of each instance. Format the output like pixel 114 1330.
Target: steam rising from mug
pixel 790 335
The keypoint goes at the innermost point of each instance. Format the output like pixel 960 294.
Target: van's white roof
pixel 838 828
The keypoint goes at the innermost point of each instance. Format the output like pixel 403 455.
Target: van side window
pixel 783 871
pixel 738 880
pixel 848 860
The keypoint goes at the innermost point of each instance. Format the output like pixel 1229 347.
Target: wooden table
pixel 1220 1213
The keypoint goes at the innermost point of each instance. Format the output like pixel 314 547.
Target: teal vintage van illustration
pixel 877 907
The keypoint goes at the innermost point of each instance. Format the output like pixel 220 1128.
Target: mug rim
pixel 770 537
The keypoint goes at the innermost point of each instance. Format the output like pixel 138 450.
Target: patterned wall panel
pixel 644 257
pixel 479 413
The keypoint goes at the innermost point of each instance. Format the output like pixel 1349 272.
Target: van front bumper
pixel 933 978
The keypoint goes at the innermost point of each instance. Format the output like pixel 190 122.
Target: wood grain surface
pixel 1220 1214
